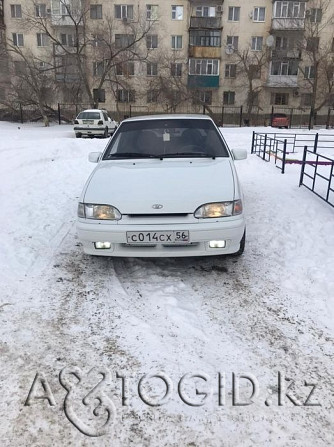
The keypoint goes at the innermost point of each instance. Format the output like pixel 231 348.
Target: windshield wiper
pixel 131 155
pixel 188 154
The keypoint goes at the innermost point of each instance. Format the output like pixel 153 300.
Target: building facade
pixel 168 55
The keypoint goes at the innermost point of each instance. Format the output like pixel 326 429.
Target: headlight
pixel 100 212
pixel 219 209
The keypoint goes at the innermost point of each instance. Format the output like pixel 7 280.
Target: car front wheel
pixel 78 135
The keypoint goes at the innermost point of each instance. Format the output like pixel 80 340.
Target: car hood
pixel 180 186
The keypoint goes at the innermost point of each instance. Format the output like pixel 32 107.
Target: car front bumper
pixel 201 233
pixel 90 130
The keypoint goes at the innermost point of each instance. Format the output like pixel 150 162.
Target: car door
pixel 106 122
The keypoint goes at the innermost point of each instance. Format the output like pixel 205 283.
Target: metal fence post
pixel 21 113
pixel 310 119
pixel 291 115
pixel 240 118
pixel 253 140
pixel 59 118
pixel 303 167
pixel 315 147
pixel 329 183
pixel 265 146
pixel 284 155
pixel 328 117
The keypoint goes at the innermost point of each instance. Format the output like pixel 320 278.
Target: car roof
pixel 169 116
pixel 92 110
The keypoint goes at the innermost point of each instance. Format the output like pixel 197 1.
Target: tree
pixel 89 46
pixel 250 69
pixel 317 66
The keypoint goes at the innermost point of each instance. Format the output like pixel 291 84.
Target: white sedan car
pixel 94 122
pixel 164 186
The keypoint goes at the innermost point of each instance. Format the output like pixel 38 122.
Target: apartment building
pixel 170 55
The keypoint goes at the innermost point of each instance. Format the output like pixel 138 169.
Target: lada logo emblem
pixel 157 206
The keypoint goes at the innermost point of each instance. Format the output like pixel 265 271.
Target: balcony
pixel 282 81
pixel 279 54
pixel 205 23
pixel 204 52
pixel 293 24
pixel 203 81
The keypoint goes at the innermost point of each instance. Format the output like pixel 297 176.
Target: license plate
pixel 87 121
pixel 157 237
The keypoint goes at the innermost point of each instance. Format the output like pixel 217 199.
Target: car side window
pixel 105 116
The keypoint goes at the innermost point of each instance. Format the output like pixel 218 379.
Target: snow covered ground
pixel 270 312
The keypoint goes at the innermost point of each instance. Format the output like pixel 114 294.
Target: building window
pixel 202 97
pixel 125 69
pixel 151 41
pixel 124 12
pixel 306 100
pixel 229 98
pixel 65 8
pixel 43 66
pixel 315 15
pixel 67 40
pixel 288 68
pixel 124 40
pixel 257 43
pixel 152 96
pixel 125 95
pixel 204 67
pixel 205 38
pixel 230 70
pixel 233 41
pixel 289 9
pixel 312 44
pixel 16 11
pixel 234 13
pixel 98 40
pixel 99 95
pixel 42 40
pixel 98 68
pixel 152 69
pixel 96 13
pixel 280 99
pixel 152 12
pixel 176 42
pixel 177 12
pixel 176 69
pixel 18 40
pixel 281 43
pixel 255 71
pixel 259 14
pixel 309 72
pixel 19 67
pixel 40 10
pixel 205 11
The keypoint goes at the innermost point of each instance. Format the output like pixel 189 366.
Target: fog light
pixel 102 245
pixel 217 244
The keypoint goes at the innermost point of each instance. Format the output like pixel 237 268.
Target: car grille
pixel 157 215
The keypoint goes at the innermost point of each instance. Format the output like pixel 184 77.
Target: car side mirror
pixel 239 154
pixel 93 157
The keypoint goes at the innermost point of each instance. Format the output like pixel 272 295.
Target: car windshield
pixel 166 138
pixel 89 116
pixel 280 115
